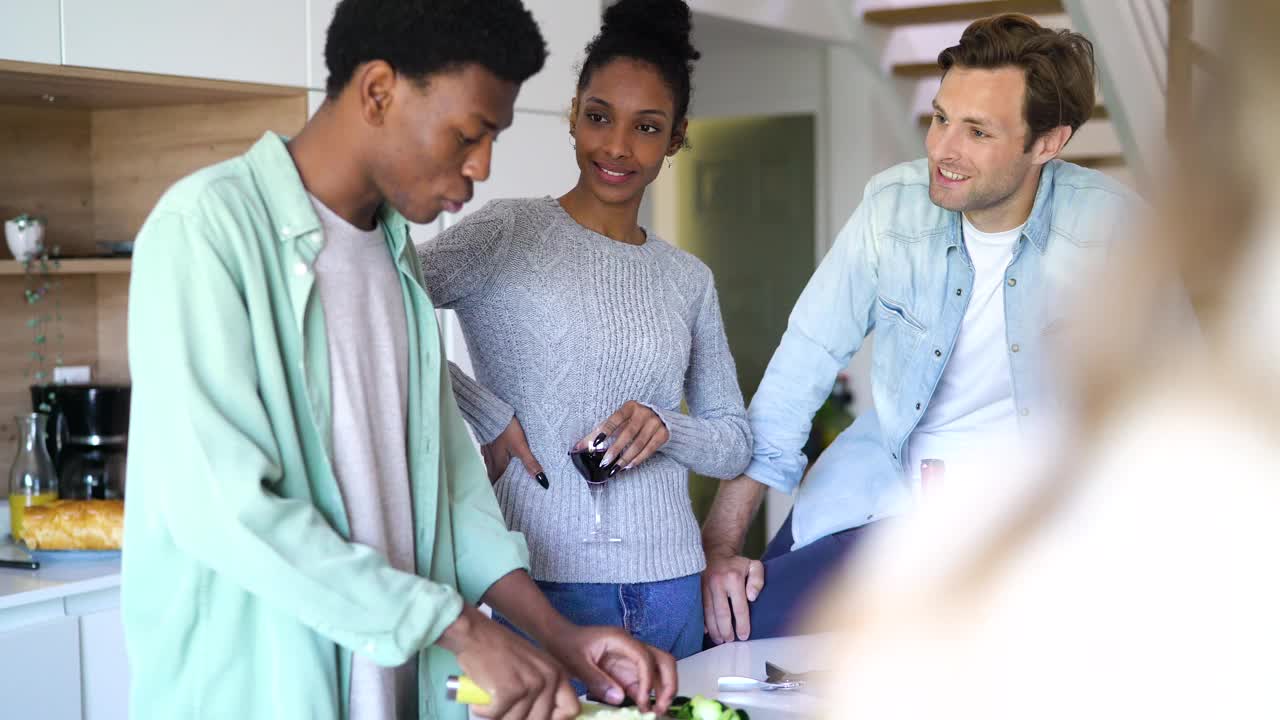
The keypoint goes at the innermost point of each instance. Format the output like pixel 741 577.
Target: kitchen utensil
pixel 775 673
pixel 738 683
pixel 60 556
pixel 16 556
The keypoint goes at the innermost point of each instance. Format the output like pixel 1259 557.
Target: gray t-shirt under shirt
pixel 365 324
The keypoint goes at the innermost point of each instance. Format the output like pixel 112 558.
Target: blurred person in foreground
pixel 1135 576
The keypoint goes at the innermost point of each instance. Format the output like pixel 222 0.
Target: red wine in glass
pixel 587 463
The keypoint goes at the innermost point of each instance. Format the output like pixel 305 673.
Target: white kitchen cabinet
pixel 319 13
pixel 104 666
pixel 29 31
pixel 315 99
pixel 40 671
pixel 532 158
pixel 567 26
pixel 244 40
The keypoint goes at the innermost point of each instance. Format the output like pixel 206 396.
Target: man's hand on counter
pixel 522 681
pixel 611 663
pixel 605 658
pixel 729 584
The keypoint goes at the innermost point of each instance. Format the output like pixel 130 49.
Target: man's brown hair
pixel 1058 66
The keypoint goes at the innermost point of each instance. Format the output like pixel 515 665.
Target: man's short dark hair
pixel 1058 66
pixel 420 38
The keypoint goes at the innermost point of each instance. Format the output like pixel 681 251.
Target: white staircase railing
pixel 1131 40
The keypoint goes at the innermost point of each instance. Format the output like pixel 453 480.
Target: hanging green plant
pixel 45 319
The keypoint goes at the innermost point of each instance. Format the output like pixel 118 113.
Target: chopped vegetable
pixel 701 708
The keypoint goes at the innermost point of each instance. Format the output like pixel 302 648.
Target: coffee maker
pixel 88 437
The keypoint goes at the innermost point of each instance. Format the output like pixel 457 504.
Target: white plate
pixel 47 556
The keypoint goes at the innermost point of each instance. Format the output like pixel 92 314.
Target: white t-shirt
pixel 368 340
pixel 972 412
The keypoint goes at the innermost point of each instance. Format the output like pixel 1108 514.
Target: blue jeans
pixel 794 579
pixel 666 614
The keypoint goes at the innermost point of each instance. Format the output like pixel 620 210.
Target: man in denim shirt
pixel 960 262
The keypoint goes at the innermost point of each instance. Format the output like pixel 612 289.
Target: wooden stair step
pixel 916 70
pixel 952 12
pixel 1099 113
pixel 1097 162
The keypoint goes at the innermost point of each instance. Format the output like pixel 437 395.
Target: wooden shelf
pixel 66 86
pixel 74 266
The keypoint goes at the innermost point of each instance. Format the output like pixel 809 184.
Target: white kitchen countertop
pixel 699 675
pixel 56 579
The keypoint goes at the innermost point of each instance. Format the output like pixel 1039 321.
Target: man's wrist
pixel 550 627
pixel 715 548
pixel 458 635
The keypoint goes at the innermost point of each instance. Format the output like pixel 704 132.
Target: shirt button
pixel 286 230
pixel 1015 347
pixel 937 353
pixel 917 406
pixel 959 292
pixel 300 269
pixel 1025 412
pixel 1013 282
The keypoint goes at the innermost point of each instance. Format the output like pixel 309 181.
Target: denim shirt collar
pixel 1038 223
pixel 1041 219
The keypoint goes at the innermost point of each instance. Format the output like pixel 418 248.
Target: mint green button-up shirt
pixel 242 596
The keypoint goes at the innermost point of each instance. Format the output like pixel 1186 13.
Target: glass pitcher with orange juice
pixel 32 478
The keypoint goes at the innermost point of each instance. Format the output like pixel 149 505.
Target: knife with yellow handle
pixel 464 691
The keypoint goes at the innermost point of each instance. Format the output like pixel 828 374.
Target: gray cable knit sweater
pixel 565 325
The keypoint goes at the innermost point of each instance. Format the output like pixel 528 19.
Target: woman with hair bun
pixel 588 332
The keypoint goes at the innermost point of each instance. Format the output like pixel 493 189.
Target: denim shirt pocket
pixel 898 338
pixel 893 310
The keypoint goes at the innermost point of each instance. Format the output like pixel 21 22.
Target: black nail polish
pixel 599 439
pixel 542 480
pixel 613 469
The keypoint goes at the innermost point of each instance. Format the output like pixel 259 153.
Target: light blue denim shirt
pixel 900 267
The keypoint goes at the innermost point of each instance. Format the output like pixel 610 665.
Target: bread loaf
pixel 74 525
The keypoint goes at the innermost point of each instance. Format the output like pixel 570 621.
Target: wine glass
pixel 588 464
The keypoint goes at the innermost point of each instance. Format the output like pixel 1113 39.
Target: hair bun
pixel 669 21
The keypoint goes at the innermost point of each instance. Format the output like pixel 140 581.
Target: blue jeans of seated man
pixel 666 614
pixel 794 579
